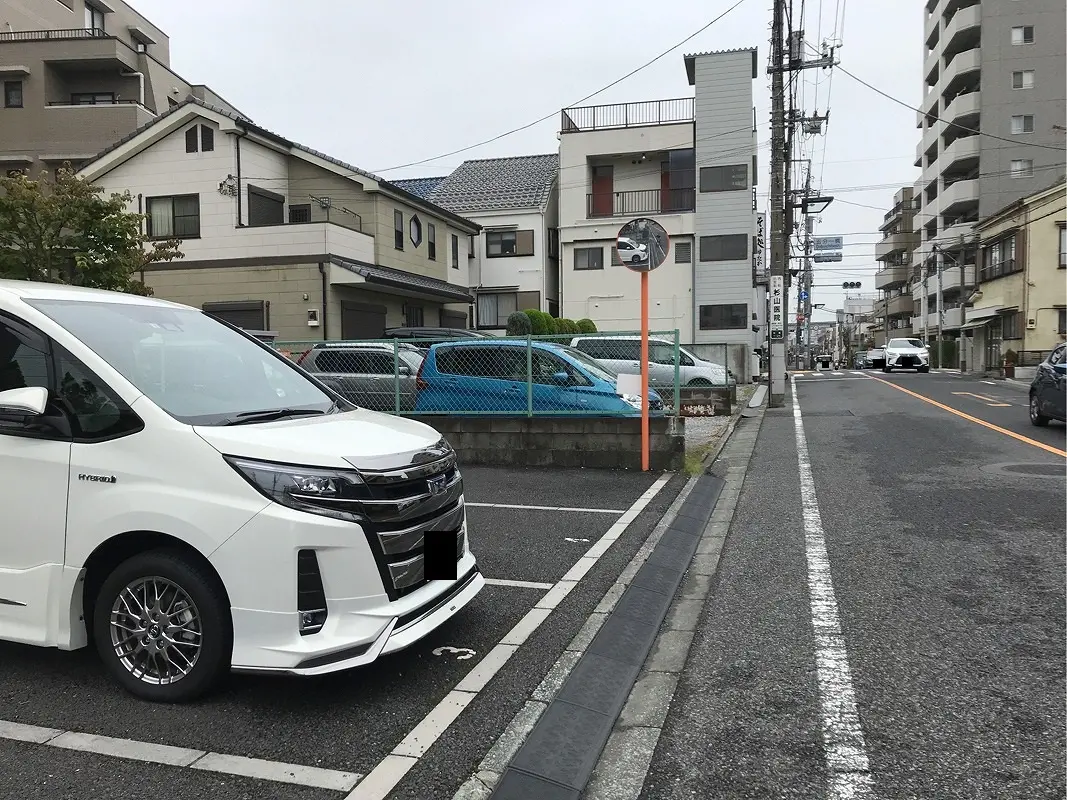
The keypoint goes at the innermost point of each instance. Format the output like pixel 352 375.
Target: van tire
pixel 199 584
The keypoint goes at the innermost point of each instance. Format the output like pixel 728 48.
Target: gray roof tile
pixel 420 187
pixel 498 184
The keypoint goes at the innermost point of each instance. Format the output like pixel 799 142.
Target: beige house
pixel 279 237
pixel 76 76
pixel 1021 300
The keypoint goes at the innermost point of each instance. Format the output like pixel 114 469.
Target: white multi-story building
pixel 995 66
pixel 688 163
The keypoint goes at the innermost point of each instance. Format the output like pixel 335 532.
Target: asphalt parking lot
pixel 414 724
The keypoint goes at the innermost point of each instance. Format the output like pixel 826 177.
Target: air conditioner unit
pixel 1031 324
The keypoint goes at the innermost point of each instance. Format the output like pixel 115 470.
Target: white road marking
pixel 837 373
pixel 856 372
pixel 615 511
pixel 276 771
pixel 991 383
pixel 518 584
pixel 381 780
pixel 843 739
pixel 461 653
pixel 569 539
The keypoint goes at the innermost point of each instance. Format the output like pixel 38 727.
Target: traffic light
pixel 850 285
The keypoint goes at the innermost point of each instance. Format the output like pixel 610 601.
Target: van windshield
pixel 193 367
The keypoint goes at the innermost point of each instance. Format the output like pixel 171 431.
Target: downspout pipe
pixel 322 273
pixel 241 133
pixel 140 80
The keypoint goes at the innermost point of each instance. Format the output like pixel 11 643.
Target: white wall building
pixel 688 163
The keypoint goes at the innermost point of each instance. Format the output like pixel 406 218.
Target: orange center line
pixel 982 422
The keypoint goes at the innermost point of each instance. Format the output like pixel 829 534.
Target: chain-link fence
pixel 594 374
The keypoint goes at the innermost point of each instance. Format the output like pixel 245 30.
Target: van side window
pixel 21 365
pixel 96 412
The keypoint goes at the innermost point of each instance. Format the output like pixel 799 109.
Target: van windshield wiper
pixel 246 417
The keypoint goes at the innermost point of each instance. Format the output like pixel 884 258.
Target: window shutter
pixel 190 140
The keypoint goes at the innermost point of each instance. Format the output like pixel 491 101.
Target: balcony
pixel 930 25
pixel 627 115
pixel 931 64
pixel 645 201
pixel 953 237
pixel 960 154
pixel 959 194
pixel 967 104
pixel 894 243
pixel 962 30
pixel 891 276
pixel 964 63
pixel 927 143
pixel 953 318
pixel 899 305
pixel 950 277
pixel 298 239
pixel 77 47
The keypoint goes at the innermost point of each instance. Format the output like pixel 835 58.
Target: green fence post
pixel 396 376
pixel 529 376
pixel 677 372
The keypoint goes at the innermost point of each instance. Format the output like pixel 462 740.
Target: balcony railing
pixel 65 33
pixel 646 201
pixel 627 115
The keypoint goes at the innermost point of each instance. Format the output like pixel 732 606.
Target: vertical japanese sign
pixel 758 269
pixel 777 304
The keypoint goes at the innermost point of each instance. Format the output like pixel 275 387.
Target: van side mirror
pixel 30 400
pixel 403 369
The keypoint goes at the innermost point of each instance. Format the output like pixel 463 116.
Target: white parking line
pixel 615 511
pixel 381 780
pixel 518 584
pixel 843 740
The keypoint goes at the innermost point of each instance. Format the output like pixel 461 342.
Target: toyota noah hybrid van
pixel 192 502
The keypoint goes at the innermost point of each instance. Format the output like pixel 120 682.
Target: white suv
pixel 906 354
pixel 194 502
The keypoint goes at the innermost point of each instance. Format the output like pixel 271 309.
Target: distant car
pixel 460 378
pixel 906 353
pixel 859 360
pixel 825 360
pixel 367 373
pixel 875 358
pixel 622 354
pixel 1048 390
pixel 631 251
pixel 423 337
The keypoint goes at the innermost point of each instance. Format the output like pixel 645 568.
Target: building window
pixel 207 138
pixel 504 244
pixel 175 217
pixel 1010 327
pixel 998 259
pixel 1022 34
pixel 616 259
pixel 413 316
pixel 494 309
pixel 12 94
pixel 728 247
pixel 1063 247
pixel 1061 320
pixel 1022 168
pixel 141 47
pixel 431 241
pixel 1022 123
pixel 92 98
pixel 589 258
pixel 683 252
pixel 415 230
pixel 728 316
pixel 94 19
pixel 455 251
pixel 1022 79
pixel 265 207
pixel 470 245
pixel 398 230
pixel 299 213
pixel 190 140
pixel 727 178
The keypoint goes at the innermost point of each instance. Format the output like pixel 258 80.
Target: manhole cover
pixel 1027 470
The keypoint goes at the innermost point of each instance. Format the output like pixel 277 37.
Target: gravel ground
pixel 700 432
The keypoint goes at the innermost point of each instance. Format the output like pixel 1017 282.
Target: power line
pixel 556 111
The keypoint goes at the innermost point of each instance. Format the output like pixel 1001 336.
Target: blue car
pixel 491 377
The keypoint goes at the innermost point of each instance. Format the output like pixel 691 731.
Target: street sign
pixel 777 296
pixel 828 242
pixel 826 258
pixel 642 244
pixel 803 295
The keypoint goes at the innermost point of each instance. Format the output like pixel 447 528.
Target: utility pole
pixel 778 199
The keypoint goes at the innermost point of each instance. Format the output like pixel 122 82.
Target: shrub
pixel 519 324
pixel 552 324
pixel 538 326
pixel 568 326
pixel 586 326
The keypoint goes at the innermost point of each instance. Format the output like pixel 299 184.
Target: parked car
pixel 622 354
pixel 859 360
pixel 424 337
pixel 875 358
pixel 479 377
pixel 825 360
pixel 1048 390
pixel 367 374
pixel 190 501
pixel 906 353
pixel 631 251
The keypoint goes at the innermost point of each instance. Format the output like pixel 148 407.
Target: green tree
pixel 538 326
pixel 62 230
pixel 518 324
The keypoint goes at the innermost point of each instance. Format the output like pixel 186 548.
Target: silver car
pixel 622 355
pixel 368 373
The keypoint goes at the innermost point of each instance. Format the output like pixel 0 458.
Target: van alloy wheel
pixel 156 630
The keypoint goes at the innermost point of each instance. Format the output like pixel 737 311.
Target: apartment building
pixel 277 236
pixel 78 75
pixel 895 271
pixel 995 66
pixel 688 163
pixel 1021 300
pixel 514 262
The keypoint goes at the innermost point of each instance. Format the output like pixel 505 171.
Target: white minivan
pixel 194 502
pixel 622 354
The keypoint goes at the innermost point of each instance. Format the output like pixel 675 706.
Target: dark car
pixel 859 361
pixel 875 358
pixel 423 337
pixel 1048 391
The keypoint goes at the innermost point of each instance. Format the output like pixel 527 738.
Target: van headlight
pixel 328 492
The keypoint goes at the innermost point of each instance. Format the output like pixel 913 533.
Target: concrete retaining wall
pixel 562 441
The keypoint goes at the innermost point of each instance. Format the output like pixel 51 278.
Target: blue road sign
pixel 803 295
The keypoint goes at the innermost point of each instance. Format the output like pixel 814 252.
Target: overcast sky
pixel 384 84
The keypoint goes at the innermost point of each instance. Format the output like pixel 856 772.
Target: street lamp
pixel 815 205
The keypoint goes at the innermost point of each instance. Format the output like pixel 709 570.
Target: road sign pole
pixel 644 374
